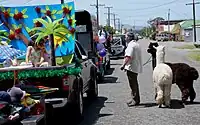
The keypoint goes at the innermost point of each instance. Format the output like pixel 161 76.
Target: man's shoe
pixel 132 103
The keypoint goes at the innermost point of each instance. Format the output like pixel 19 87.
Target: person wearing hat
pixel 132 65
pixel 16 94
pixel 21 97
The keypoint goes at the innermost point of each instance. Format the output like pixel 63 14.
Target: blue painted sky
pixel 129 11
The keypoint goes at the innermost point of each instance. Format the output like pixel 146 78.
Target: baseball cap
pixel 16 94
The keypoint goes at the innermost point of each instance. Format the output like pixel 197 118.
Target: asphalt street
pixel 111 108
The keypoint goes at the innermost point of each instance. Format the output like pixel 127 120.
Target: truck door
pixel 86 63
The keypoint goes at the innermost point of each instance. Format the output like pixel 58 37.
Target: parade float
pixel 53 23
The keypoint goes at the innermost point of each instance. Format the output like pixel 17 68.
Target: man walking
pixel 133 65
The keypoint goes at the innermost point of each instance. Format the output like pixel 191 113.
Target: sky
pixel 133 12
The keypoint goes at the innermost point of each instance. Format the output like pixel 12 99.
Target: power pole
pixel 194 18
pixel 62 1
pixel 108 15
pixel 168 20
pixel 97 5
pixel 118 24
pixel 133 25
pixel 121 27
pixel 114 19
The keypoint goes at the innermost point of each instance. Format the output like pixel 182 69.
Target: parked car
pixel 118 46
pixel 162 37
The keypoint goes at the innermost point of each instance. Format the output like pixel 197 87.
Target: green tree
pixel 110 29
pixel 51 29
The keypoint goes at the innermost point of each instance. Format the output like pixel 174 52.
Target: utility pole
pixel 62 1
pixel 168 21
pixel 108 23
pixel 97 5
pixel 133 25
pixel 114 19
pixel 118 24
pixel 122 27
pixel 194 18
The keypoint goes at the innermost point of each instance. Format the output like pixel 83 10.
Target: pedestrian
pixel 133 66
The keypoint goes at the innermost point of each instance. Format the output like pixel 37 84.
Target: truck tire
pixel 76 98
pixel 92 93
pixel 80 104
pixel 49 113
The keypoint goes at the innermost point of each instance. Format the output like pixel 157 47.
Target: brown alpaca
pixel 184 76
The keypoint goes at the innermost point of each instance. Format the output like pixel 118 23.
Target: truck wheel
pixel 76 99
pixel 49 113
pixel 80 103
pixel 93 88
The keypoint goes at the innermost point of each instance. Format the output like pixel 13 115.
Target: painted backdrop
pixel 20 20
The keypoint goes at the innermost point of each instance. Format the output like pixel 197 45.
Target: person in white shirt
pixel 133 66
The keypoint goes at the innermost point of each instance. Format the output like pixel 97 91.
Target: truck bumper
pixel 32 120
pixel 57 102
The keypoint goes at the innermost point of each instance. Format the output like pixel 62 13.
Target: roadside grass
pixel 194 55
pixel 185 47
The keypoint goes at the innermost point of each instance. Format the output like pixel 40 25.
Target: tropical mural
pixel 18 24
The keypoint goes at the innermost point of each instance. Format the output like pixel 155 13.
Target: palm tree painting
pixel 4 36
pixel 55 22
pixel 51 29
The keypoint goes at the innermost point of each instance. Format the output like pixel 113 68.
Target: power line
pixel 152 7
pixel 180 14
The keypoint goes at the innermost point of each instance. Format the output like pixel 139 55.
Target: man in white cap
pixel 133 65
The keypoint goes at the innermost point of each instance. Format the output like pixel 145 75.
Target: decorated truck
pixel 70 71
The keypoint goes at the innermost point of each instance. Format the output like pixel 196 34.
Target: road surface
pixel 111 108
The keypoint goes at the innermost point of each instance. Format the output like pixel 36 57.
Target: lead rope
pixel 149 60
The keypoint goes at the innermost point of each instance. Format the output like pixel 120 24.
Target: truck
pixel 86 31
pixel 71 83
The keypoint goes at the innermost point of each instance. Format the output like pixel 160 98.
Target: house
pixel 164 25
pixel 184 30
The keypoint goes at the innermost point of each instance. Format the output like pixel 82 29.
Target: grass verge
pixel 185 47
pixel 194 55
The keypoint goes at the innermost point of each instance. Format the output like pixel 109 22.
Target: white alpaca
pixel 162 78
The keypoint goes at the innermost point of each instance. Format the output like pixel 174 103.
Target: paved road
pixel 111 108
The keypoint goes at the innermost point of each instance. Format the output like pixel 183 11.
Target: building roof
pixel 189 23
pixel 171 22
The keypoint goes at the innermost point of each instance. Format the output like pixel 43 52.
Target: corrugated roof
pixel 189 23
pixel 9 52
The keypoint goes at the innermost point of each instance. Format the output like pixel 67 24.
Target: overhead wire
pixel 152 7
pixel 180 14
